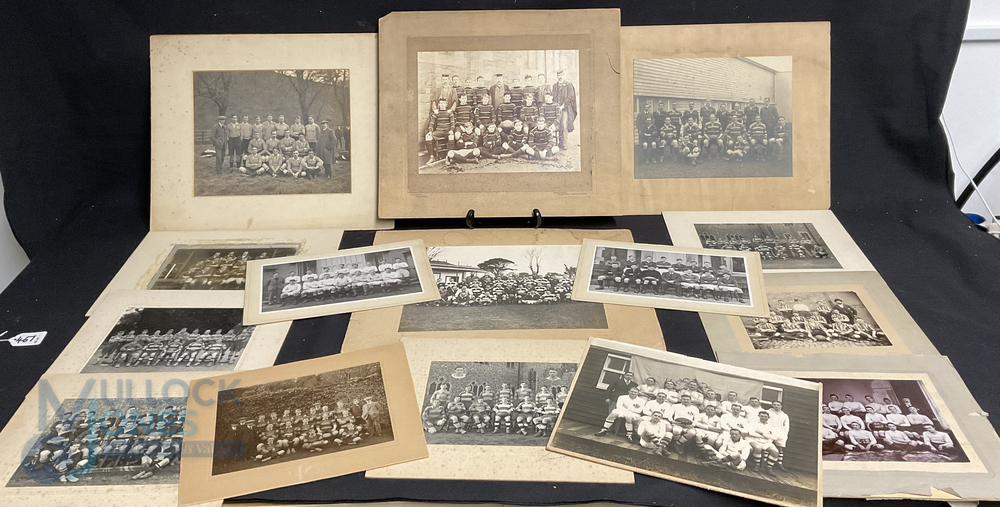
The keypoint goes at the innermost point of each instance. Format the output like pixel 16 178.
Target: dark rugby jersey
pixel 508 111
pixel 517 139
pixel 707 112
pixel 781 132
pixel 690 114
pixel 647 134
pixel 550 112
pixel 713 128
pixel 751 112
pixel 485 114
pixel 529 114
pixel 466 140
pixel 758 130
pixel 669 131
pixel 479 92
pixel 530 90
pixel 735 130
pixel 541 138
pixel 463 113
pixel 675 117
pixel 517 95
pixel 490 141
pixel 442 122
pixel 691 129
pixel 659 118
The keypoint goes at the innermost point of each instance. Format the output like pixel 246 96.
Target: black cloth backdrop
pixel 74 157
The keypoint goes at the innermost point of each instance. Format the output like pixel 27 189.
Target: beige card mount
pixel 197 78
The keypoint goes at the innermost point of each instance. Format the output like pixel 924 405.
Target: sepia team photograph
pixel 298 418
pixel 498 111
pixel 172 339
pixel 719 427
pixel 713 117
pixel 503 287
pixel 266 132
pixel 780 245
pixel 210 267
pixel 819 319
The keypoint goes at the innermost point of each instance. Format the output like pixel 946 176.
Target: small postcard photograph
pixel 787 241
pixel 726 117
pixel 301 422
pixel 481 403
pixel 504 283
pixel 73 438
pixel 499 111
pixel 715 426
pixel 212 267
pixel 813 320
pixel 349 280
pixel 266 132
pixel 503 287
pixel 154 331
pixel 659 276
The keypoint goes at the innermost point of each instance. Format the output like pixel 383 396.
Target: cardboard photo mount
pixel 948 391
pixel 253 295
pixel 494 462
pixel 681 227
pixel 260 351
pixel 404 193
pixel 808 43
pixel 198 485
pixel 24 427
pixel 757 298
pixel 174 59
pixel 728 335
pixel 628 324
pixel 710 367
pixel 155 249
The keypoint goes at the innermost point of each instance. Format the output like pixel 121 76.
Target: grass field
pixel 567 160
pixel 475 438
pixel 715 168
pixel 565 315
pixel 206 182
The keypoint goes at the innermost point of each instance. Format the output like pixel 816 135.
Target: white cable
pixel 958 162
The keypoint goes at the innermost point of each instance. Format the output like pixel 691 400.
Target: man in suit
pixel 326 143
pixel 845 309
pixel 498 90
pixel 564 94
pixel 541 88
pixel 340 137
pixel 219 138
pixel 619 387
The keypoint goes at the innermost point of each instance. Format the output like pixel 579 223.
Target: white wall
pixel 972 109
pixel 12 257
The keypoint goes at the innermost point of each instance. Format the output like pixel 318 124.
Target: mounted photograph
pixel 265 132
pixel 667 277
pixel 300 422
pixel 482 116
pixel 713 117
pixel 719 427
pixel 503 283
pixel 186 333
pixel 360 278
pixel 815 320
pixel 212 267
pixel 487 408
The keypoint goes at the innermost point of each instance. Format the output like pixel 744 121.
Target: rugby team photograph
pixel 815 320
pixel 780 245
pixel 498 111
pixel 222 267
pixel 713 117
pixel 297 418
pixel 267 132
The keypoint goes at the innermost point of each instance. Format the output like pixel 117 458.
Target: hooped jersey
pixel 550 112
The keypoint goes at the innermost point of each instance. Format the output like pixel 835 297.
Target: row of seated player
pixel 77 446
pixel 487 291
pixel 686 283
pixel 343 282
pixel 537 142
pixel 509 410
pixel 814 327
pixel 868 418
pixel 769 247
pixel 173 349
pixel 217 272
pixel 727 432
pixel 268 437
pixel 275 164
pixel 724 114
pixel 692 143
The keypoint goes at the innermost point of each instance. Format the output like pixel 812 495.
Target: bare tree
pixel 433 252
pixel 214 86
pixel 310 84
pixel 534 256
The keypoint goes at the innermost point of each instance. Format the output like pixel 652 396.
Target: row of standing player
pixel 174 349
pixel 662 278
pixel 343 282
pixel 237 139
pixel 693 142
pixel 880 429
pixel 534 412
pixel 488 291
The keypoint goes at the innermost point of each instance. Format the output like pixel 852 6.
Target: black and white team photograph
pixel 298 418
pixel 885 420
pixel 815 320
pixel 493 403
pixel 338 279
pixel 780 245
pixel 498 111
pixel 753 436
pixel 713 117
pixel 106 442
pixel 212 267
pixel 267 132
pixel 671 275
pixel 172 339
pixel 503 287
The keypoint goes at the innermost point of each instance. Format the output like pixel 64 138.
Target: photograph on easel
pixel 713 117
pixel 498 111
pixel 266 132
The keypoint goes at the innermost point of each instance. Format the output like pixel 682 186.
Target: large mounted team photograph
pixel 349 280
pixel 661 276
pixel 713 117
pixel 212 267
pixel 266 132
pixel 720 427
pixel 498 111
